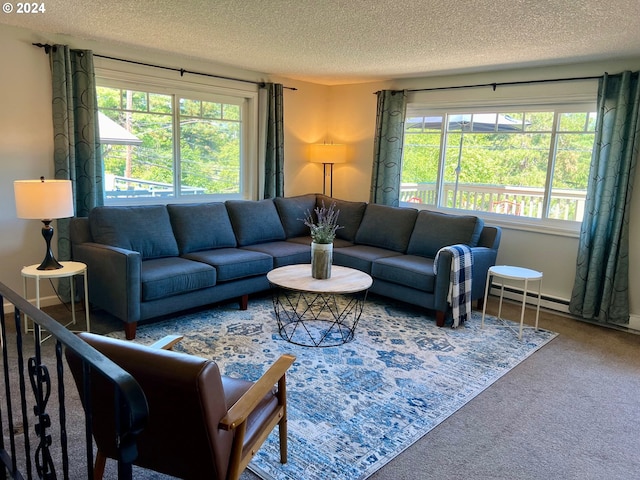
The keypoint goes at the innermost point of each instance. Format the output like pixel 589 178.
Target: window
pixel 164 144
pixel 522 163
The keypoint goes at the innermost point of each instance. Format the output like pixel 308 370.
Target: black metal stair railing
pixel 35 440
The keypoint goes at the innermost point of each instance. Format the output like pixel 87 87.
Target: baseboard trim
pixel 44 302
pixel 634 322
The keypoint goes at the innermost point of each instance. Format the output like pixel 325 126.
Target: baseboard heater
pixel 546 301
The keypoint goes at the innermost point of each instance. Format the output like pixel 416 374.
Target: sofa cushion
pixel 292 211
pixel 165 277
pixel 349 218
pixel 360 257
pixel 387 227
pixel 201 226
pixel 284 252
pixel 145 229
pixel 409 270
pixel 255 221
pixel 234 263
pixel 434 230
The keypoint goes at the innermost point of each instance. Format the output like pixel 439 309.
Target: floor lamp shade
pixel 44 200
pixel 328 154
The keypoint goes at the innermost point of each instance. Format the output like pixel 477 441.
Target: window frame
pixel 206 89
pixel 569 96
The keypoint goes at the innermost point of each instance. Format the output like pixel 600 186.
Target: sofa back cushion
pixel 201 226
pixel 434 230
pixel 386 227
pixel 255 221
pixel 292 211
pixel 350 216
pixel 145 229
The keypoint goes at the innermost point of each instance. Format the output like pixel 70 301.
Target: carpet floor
pixel 354 407
pixel 569 411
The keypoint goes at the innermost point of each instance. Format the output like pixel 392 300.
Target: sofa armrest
pixel 483 258
pixel 114 278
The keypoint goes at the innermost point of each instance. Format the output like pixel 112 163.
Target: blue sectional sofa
pixel 148 261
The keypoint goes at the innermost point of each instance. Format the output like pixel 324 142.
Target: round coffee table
pixel 318 313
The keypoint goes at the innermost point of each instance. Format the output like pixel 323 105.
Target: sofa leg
pixel 244 302
pixel 130 330
pixel 440 316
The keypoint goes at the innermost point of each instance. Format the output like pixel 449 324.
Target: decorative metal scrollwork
pixel 41 384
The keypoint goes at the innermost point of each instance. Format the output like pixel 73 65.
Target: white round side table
pixel 507 272
pixel 68 270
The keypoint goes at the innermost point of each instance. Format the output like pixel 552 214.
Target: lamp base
pixel 49 262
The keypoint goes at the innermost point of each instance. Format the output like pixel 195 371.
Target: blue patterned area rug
pixel 354 407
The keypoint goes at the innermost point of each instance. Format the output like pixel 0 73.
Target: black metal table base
pixel 317 319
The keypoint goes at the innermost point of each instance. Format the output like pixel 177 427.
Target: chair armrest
pixel 239 411
pixel 167 342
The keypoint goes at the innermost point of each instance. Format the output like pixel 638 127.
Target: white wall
pixel 26 147
pixel 305 113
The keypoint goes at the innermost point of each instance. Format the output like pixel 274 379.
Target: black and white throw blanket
pixel 460 286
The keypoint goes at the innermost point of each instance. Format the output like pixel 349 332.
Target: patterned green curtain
pixel 601 288
pixel 388 142
pixel 77 154
pixel 274 156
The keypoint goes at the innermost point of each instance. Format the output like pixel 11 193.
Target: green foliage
pixel 519 158
pixel 208 147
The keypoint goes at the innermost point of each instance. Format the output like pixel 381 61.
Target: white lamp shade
pixel 43 199
pixel 328 153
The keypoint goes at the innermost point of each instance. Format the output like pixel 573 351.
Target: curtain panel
pixel 274 154
pixel 601 288
pixel 388 143
pixel 77 154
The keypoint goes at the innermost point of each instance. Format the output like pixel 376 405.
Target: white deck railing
pixel 520 201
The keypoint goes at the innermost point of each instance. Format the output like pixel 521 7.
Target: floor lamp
pixel 45 201
pixel 328 154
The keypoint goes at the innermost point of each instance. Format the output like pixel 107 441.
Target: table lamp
pixel 328 154
pixel 44 200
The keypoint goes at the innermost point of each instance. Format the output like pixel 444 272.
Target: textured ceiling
pixel 346 41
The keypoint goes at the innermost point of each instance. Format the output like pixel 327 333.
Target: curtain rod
pixel 501 84
pixel 182 71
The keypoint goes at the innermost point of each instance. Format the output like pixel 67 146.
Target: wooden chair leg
pixel 282 432
pixel 98 468
pixel 282 424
